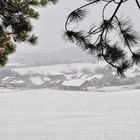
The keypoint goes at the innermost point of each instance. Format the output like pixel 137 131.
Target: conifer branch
pixel 97 40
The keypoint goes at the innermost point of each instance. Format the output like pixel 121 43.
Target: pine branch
pixel 97 40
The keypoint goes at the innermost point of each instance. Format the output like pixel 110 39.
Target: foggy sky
pixel 50 26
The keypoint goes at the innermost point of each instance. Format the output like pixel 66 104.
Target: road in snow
pixel 68 115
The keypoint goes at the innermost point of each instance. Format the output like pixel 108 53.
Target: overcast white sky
pixel 50 25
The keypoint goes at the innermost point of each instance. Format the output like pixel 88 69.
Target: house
pixel 18 83
pixel 6 81
pixel 36 82
pixel 13 82
pixel 46 79
pixel 75 85
pixel 56 84
pixel 54 80
pixel 94 80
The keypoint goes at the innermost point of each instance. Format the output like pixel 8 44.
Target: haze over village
pixel 58 91
pixel 50 53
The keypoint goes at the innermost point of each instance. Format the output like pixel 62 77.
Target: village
pixel 70 79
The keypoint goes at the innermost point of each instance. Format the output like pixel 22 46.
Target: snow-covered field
pixel 69 115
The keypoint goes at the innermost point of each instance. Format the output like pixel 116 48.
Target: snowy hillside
pixel 66 115
pixel 58 68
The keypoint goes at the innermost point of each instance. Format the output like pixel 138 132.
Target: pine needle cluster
pixel 103 46
pixel 15 24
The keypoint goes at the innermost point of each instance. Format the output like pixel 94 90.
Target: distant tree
pixel 16 25
pixel 87 71
pixel 98 39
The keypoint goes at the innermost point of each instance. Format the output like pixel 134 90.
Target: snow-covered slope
pixel 66 115
pixel 58 68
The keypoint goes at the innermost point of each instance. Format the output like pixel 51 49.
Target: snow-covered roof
pixel 99 76
pixel 46 78
pixel 90 78
pixel 8 78
pixel 17 81
pixel 74 83
pixel 79 74
pixel 58 81
pixel 37 80
pixel 84 76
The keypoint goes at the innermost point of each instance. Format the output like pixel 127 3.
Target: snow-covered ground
pixel 69 115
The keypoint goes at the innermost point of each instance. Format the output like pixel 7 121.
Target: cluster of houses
pixel 70 80
pixel 64 81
